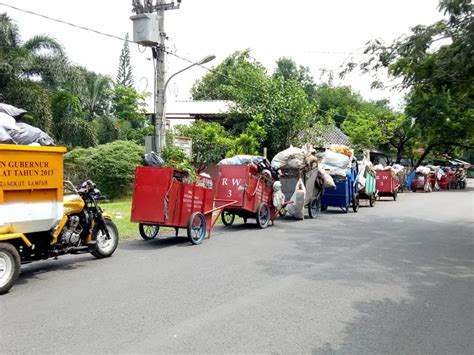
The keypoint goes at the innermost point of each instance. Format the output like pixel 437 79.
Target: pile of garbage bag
pixel 13 131
pixel 423 170
pixel 260 163
pixel 296 158
pixel 336 164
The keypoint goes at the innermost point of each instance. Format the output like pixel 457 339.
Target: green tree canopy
pixel 435 64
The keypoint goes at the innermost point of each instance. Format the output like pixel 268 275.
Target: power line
pixel 66 23
pixel 130 41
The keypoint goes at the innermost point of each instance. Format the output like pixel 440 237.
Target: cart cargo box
pixel 31 188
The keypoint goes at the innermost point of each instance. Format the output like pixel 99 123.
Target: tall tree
pixel 124 72
pixel 435 64
pixel 282 103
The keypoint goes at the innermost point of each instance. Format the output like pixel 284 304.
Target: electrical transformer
pixel 145 29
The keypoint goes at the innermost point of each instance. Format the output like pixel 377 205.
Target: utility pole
pixel 146 22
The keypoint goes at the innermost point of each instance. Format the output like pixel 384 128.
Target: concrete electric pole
pixel 149 30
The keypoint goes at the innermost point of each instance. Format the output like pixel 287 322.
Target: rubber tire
pixel 12 253
pixel 355 203
pixel 230 221
pixel 372 200
pixel 262 224
pixel 141 229
pixel 311 212
pixel 99 254
pixel 395 193
pixel 191 229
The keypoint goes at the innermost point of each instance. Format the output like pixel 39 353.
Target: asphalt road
pixel 397 278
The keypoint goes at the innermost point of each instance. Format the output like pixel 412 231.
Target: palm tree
pixel 39 57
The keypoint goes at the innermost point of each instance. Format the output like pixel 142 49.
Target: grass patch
pixel 120 211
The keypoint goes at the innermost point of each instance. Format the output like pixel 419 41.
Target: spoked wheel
pixel 263 215
pixel 227 218
pixel 355 203
pixel 148 231
pixel 314 207
pixel 9 267
pixel 197 228
pixel 105 244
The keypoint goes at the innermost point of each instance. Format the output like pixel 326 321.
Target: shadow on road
pixel 35 269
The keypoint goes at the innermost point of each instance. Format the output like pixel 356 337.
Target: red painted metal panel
pixel 244 184
pixel 233 182
pixel 385 182
pixel 158 198
pixel 151 185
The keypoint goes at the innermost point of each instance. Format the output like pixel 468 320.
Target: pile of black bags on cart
pixel 14 131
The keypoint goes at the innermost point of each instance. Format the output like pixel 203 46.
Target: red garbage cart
pixel 387 184
pixel 164 196
pixel 245 191
pixel 421 182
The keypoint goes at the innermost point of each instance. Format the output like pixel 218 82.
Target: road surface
pixel 397 278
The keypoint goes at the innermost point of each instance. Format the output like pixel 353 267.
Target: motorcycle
pixel 84 228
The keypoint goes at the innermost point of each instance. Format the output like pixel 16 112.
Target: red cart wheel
pixel 263 215
pixel 196 228
pixel 148 231
pixel 227 218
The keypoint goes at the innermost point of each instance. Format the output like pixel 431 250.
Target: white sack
pixel 336 160
pixel 5 137
pixel 328 180
pixel 27 134
pixel 291 158
pixel 296 208
pixel 7 121
pixel 278 195
pixel 11 110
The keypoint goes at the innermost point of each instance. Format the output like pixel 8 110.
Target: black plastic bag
pixel 153 159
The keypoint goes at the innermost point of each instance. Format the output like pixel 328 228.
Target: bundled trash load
pixel 299 174
pixel 13 131
pixel 337 160
pixel 258 162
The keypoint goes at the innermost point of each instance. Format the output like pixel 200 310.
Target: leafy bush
pixel 175 157
pixel 111 166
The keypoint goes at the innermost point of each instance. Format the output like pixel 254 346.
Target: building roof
pixel 191 109
pixel 333 135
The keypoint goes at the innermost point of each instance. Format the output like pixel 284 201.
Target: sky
pixel 319 34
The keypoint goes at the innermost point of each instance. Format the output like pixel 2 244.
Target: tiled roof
pixel 323 136
pixel 333 135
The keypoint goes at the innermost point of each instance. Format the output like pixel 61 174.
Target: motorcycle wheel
pixel 9 267
pixel 105 247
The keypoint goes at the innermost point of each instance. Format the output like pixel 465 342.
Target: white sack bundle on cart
pixel 291 158
pixel 296 208
pixel 336 163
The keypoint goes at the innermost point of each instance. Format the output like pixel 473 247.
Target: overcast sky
pixel 319 34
